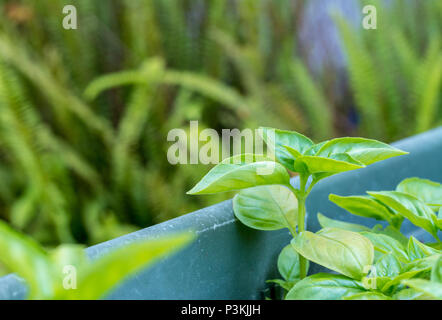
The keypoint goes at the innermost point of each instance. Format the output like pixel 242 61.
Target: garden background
pixel 84 114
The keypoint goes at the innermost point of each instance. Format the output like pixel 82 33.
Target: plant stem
pixel 301 227
pixel 301 221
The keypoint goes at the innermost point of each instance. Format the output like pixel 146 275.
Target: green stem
pixel 301 222
pixel 301 227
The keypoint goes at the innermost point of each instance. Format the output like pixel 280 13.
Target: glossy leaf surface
pixel 366 151
pixel 326 222
pixel 266 207
pixel 324 286
pixel 230 175
pixel 276 139
pixel 288 263
pixel 425 190
pixel 409 207
pixel 340 250
pixel 364 206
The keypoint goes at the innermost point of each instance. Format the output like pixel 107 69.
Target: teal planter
pixel 231 261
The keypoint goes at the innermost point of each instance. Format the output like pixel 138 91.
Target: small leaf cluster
pixel 400 268
pixel 271 202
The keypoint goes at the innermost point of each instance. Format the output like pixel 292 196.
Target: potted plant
pixel 231 261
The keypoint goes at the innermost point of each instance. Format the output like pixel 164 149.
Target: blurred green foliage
pixel 53 274
pixel 84 114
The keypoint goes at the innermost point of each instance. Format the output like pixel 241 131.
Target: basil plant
pixel 268 201
pixel 403 268
pixel 66 273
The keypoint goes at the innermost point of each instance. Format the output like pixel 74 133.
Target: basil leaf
pixel 428 191
pixel 409 207
pixel 436 273
pixel 438 220
pixel 340 250
pixel 418 250
pixel 388 266
pixel 326 222
pixel 324 286
pixel 313 150
pixel 369 295
pixel 334 164
pixel 390 285
pixel 385 268
pixel 410 294
pixel 321 175
pixel 386 244
pixel 276 139
pixel 228 176
pixel 391 232
pixel 364 206
pixel 429 288
pixel 266 207
pixel 435 245
pixel 288 263
pixel 423 264
pixel 366 151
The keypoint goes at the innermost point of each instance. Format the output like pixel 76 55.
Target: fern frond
pixel 313 101
pixel 364 81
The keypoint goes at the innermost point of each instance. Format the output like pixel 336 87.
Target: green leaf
pixel 418 250
pixel 321 175
pixel 324 286
pixel 409 207
pixel 266 207
pixel 365 151
pixel 334 164
pixel 340 250
pixel 388 266
pixel 276 139
pixel 436 273
pixel 429 288
pixel 95 280
pixel 230 175
pixel 288 263
pixel 364 206
pixel 425 190
pixel 422 265
pixel 410 294
pixel 326 222
pixel 438 220
pixel 369 295
pixel 386 244
pixel 418 268
pixel 313 150
pixel 390 285
pixel 25 257
pixel 391 232
pixel 435 245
